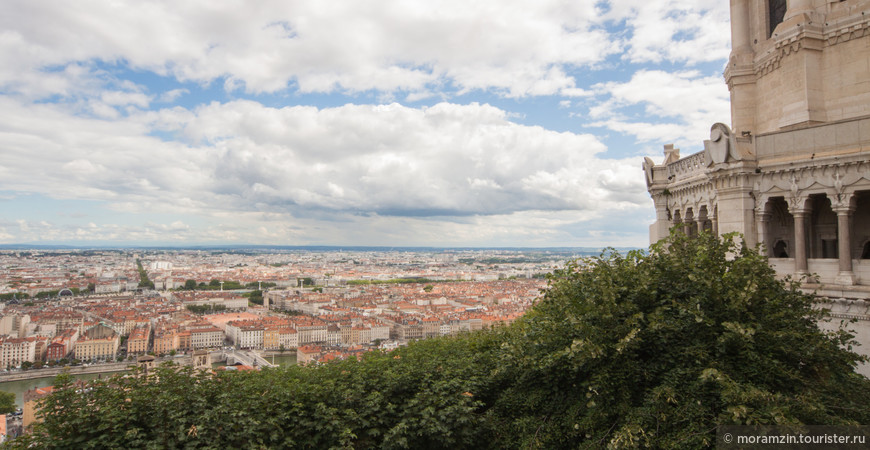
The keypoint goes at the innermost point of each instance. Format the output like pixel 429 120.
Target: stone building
pixel 792 172
pixel 98 342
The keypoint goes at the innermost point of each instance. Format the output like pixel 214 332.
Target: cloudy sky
pixel 348 122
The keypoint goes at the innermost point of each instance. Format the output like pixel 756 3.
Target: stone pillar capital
pixel 799 212
pixel 797 204
pixel 843 210
pixel 842 203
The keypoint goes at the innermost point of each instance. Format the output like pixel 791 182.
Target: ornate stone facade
pixel 793 171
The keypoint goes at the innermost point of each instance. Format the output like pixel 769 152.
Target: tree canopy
pixel 7 402
pixel 639 350
pixel 656 350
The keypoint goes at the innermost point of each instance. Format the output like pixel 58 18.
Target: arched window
pixel 776 10
pixel 780 249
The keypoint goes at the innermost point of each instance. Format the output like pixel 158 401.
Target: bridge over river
pixel 246 357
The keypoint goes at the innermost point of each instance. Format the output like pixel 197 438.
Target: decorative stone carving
pixel 671 154
pixel 722 146
pixel 648 165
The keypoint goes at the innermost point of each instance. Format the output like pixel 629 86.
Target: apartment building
pixel 14 351
pixel 139 339
pixel 98 342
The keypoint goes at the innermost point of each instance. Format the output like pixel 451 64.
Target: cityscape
pixel 392 224
pixel 102 310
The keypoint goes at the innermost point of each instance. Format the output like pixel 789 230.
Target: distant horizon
pixel 33 246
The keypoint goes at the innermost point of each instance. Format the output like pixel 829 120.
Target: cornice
pixel 810 36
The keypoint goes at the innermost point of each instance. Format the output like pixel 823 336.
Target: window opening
pixel 777 14
pixel 780 249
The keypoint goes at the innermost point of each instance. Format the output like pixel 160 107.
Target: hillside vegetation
pixel 648 349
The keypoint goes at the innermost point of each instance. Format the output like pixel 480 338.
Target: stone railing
pixel 687 167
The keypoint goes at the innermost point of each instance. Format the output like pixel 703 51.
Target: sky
pixel 445 123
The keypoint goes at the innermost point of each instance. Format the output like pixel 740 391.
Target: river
pixel 19 386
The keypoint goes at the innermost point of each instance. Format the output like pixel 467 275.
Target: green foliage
pixel 213 285
pixel 657 350
pixel 641 350
pixel 425 396
pixel 206 309
pixel 395 281
pixel 255 297
pixel 7 402
pixel 144 281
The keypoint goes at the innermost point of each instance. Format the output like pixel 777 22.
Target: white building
pixel 14 351
pixel 211 337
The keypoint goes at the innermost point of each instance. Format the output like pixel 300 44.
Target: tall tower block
pixel 797 63
pixel 792 172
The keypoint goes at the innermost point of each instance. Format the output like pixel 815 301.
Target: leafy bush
pixel 641 350
pixel 657 350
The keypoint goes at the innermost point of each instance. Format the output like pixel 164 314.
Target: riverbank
pixel 115 367
pixel 19 387
pixel 52 371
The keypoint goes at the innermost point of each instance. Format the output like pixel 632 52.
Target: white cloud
pixel 444 161
pixel 519 49
pixel 687 31
pixel 172 95
pixel 120 72
pixel 685 105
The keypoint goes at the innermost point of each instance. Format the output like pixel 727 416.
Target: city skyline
pixel 392 123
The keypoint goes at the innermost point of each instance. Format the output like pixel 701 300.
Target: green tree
pixel 658 349
pixel 144 281
pixel 190 285
pixel 7 402
pixel 639 350
pixel 255 297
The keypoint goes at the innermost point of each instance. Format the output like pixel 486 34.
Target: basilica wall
pixel 792 171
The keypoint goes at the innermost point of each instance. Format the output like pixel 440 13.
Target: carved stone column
pixel 844 243
pixel 739 24
pixel 715 222
pixel 763 218
pixel 739 72
pixel 800 240
pixel 660 229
